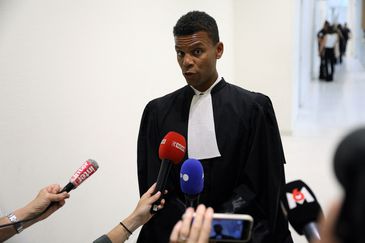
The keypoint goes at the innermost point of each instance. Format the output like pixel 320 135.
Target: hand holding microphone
pixel 85 171
pixel 171 152
pixel 48 200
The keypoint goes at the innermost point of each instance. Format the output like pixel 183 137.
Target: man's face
pixel 197 57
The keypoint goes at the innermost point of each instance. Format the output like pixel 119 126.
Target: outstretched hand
pixel 196 232
pixel 44 198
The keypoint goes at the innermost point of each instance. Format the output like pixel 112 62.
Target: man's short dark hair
pixel 196 21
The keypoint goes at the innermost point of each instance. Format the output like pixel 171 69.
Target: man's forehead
pixel 197 38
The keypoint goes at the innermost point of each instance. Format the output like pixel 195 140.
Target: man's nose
pixel 188 60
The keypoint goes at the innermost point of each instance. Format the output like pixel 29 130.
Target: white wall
pixel 74 79
pixel 356 44
pixel 266 57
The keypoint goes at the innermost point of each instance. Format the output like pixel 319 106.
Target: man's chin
pixel 190 82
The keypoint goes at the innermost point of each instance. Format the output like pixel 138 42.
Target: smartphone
pixel 231 228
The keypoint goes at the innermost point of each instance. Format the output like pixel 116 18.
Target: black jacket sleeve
pixel 264 170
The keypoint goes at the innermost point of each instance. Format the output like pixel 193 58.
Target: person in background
pixel 320 37
pixel 341 46
pixel 328 45
pixel 346 33
pixel 36 210
pixel 346 217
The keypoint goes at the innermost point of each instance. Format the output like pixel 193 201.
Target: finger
pixel 206 227
pixel 58 197
pixel 154 198
pixel 162 204
pixel 54 188
pixel 197 224
pixel 151 189
pixel 186 223
pixel 175 232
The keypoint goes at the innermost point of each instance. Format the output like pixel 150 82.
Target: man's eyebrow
pixel 195 44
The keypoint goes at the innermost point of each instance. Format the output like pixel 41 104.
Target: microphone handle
pixel 162 178
pixel 192 200
pixel 68 188
pixel 311 232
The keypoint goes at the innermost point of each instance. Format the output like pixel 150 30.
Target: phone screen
pixel 225 229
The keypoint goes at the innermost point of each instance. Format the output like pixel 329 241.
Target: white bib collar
pixel 202 141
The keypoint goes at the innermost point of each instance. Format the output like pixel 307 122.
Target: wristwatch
pixel 17 225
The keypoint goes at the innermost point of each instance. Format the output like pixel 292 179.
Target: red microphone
pixel 171 151
pixel 87 169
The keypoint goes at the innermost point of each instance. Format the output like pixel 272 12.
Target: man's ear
pixel 219 50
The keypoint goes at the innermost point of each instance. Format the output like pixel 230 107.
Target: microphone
pixel 191 181
pixel 87 169
pixel 302 209
pixel 171 151
pixel 349 169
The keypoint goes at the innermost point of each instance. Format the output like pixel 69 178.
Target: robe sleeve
pixel 263 173
pixel 147 148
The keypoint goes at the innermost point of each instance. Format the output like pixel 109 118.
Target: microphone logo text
pixel 178 146
pixel 298 197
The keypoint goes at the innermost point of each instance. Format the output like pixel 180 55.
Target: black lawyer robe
pixel 247 178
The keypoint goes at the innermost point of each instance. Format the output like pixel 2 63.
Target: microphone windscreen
pixel 172 147
pixel 300 205
pixel 191 177
pixel 85 171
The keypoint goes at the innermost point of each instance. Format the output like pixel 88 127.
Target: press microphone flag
pixel 302 209
pixel 88 168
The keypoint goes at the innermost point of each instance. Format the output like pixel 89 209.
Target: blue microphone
pixel 191 181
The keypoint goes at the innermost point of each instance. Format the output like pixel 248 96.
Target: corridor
pixel 331 110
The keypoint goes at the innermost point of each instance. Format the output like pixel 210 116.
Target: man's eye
pixel 179 53
pixel 198 51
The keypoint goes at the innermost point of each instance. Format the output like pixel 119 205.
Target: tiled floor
pixel 331 110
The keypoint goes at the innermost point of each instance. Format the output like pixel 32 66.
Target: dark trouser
pixel 322 69
pixel 330 60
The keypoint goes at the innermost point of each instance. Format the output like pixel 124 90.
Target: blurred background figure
pixel 328 47
pixel 320 38
pixel 341 43
pixel 346 33
pixel 346 218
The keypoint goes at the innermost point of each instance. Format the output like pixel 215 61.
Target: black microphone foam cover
pixel 301 205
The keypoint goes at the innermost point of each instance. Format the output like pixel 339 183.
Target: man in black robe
pixel 232 131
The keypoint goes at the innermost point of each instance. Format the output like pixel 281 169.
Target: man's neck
pixel 208 87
